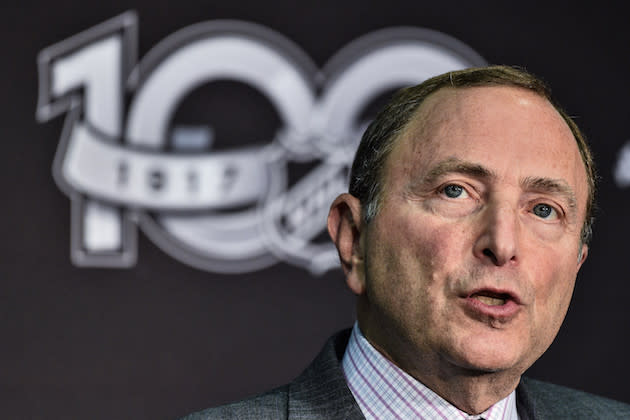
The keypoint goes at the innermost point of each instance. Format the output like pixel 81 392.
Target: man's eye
pixel 455 191
pixel 545 211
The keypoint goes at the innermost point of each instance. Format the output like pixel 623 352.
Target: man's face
pixel 472 258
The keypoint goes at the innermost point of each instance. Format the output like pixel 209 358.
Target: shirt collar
pixel 384 391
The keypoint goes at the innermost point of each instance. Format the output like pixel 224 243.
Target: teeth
pixel 492 301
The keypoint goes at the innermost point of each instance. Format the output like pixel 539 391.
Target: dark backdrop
pixel 162 339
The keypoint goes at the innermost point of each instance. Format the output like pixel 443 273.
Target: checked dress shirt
pixel 384 391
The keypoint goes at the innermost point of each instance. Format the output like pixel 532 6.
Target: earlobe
pixel 345 228
pixel 582 255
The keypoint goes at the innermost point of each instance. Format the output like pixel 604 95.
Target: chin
pixel 487 366
pixel 488 359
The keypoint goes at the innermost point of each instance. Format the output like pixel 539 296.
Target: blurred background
pixel 122 297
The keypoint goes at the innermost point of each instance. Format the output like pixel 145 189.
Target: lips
pixel 488 303
pixel 491 298
pixel 492 301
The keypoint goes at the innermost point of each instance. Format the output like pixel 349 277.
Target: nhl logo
pixel 128 159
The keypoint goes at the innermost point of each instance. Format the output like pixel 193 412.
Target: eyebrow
pixel 455 165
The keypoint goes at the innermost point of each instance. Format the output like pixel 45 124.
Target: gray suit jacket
pixel 321 393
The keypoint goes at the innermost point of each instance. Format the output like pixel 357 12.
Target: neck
pixel 471 391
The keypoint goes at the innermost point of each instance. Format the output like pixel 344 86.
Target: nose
pixel 498 239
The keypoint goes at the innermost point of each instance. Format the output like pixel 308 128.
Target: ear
pixel 582 255
pixel 345 228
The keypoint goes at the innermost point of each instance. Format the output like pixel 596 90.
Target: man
pixel 467 221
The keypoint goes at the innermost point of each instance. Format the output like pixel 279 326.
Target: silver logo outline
pixel 311 139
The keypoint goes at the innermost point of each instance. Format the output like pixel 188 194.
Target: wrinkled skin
pixel 466 273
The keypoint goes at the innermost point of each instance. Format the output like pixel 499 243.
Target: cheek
pixel 417 254
pixel 555 278
pixel 418 243
pixel 442 249
pixel 553 295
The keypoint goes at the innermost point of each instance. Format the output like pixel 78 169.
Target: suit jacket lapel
pixel 524 402
pixel 321 391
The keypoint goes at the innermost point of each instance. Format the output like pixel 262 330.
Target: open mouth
pixel 491 298
pixel 492 304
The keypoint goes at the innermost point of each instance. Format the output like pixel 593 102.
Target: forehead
pixel 511 131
